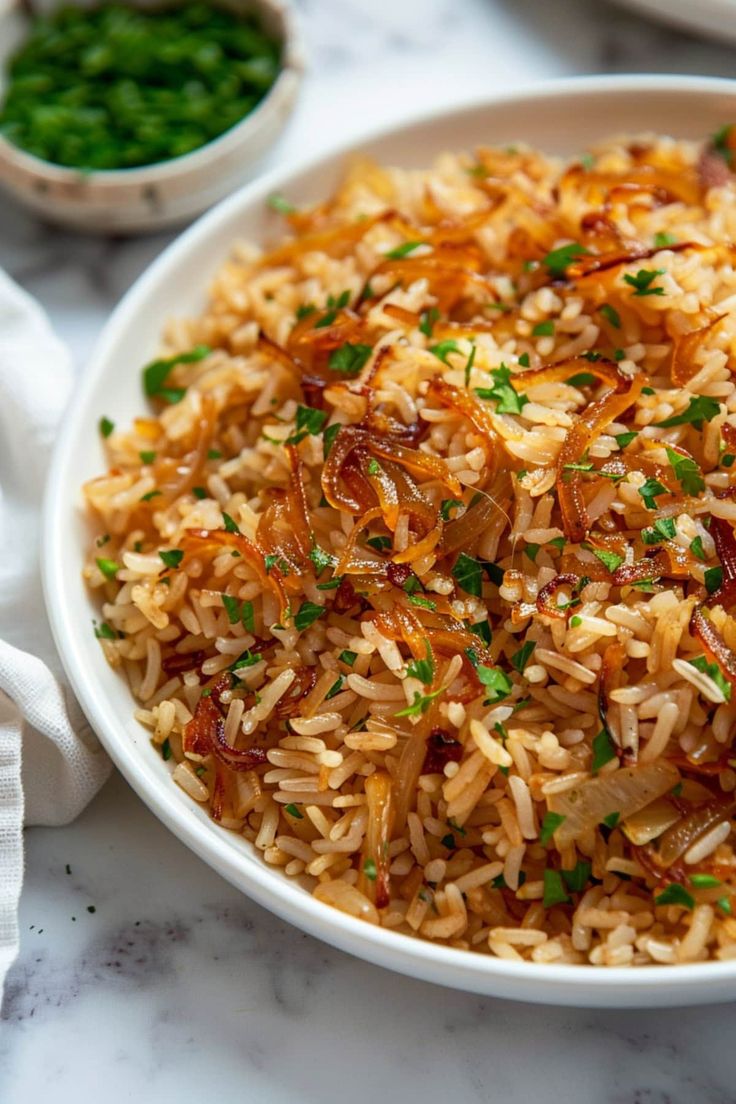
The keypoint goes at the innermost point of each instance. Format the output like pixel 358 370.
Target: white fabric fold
pixel 50 763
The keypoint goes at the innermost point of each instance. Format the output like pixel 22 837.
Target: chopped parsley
pixel 214 454
pixel 379 543
pixel 245 659
pixel 643 281
pixel 554 890
pixel 334 689
pixel 611 820
pixel 610 560
pixel 557 260
pixel 497 683
pixel 727 459
pixel 663 529
pixel 467 573
pixel 147 457
pixel 624 439
pixel 424 603
pixel 582 379
pixel 105 632
pixel 229 524
pixel 550 824
pixel 520 659
pixel 166 749
pixel 481 629
pixel 422 669
pixel 469 364
pixel 293 811
pixel 320 558
pixel 307 614
pixel 650 490
pixel 369 869
pixel 349 359
pixel 544 329
pixel 199 492
pixel 328 438
pixel 348 657
pixel 713 671
pixel 282 206
pixel 156 373
pixel 507 398
pixel 308 421
pixel 173 558
pixel 239 611
pixel 577 878
pixel 713 579
pixel 532 550
pixel 304 311
pixel 675 894
pixel 700 408
pixel 106 427
pixel 704 881
pixel 272 560
pixel 721 144
pixel 603 750
pixel 443 349
pixel 611 315
pixel 150 495
pixel 448 841
pixel 109 568
pixel 662 239
pixel 421 703
pixel 686 472
pixel 427 321
pixel 403 250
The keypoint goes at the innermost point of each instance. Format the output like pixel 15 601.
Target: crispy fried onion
pixel 725 542
pixel 213 541
pixel 205 735
pixel 624 391
pixel 374 879
pixel 714 646
pixel 622 791
pixel 344 491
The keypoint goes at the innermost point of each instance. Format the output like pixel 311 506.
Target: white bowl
pixel 562 117
pixel 168 193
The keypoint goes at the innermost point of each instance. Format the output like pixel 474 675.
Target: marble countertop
pixel 145 976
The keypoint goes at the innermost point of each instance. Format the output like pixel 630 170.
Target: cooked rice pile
pixel 469 677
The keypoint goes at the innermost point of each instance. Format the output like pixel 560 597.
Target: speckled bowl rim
pixel 653 986
pixel 291 68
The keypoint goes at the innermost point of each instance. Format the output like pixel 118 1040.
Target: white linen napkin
pixel 50 763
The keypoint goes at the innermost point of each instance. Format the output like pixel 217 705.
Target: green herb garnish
pixel 349 359
pixel 550 824
pixel 603 750
pixel 642 282
pixel 157 372
pixel 172 559
pixel 507 398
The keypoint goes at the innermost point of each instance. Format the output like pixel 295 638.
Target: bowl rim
pixel 290 72
pixel 561 983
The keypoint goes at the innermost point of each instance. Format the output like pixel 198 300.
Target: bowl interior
pixel 563 118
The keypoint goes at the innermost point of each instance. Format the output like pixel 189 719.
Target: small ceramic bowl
pixel 167 193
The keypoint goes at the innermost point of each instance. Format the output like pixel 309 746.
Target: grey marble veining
pixel 176 987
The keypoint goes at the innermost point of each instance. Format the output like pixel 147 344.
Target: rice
pixel 421 570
